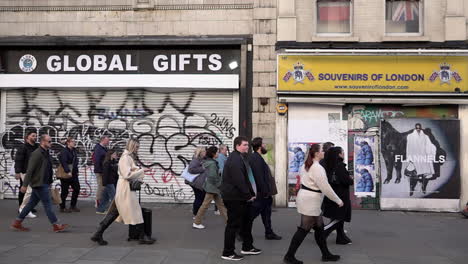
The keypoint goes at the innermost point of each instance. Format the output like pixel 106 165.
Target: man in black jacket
pixel 22 157
pixel 266 188
pixel 238 191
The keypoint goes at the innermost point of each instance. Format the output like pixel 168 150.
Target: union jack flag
pixel 405 11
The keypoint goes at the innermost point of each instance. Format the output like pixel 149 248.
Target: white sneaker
pixel 217 212
pixel 30 215
pixel 200 226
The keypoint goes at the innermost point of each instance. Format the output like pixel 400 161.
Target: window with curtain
pixel 403 16
pixel 334 16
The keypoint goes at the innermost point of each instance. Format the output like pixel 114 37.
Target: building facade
pixel 175 74
pixel 385 81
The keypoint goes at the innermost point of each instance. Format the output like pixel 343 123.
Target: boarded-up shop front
pixel 171 99
pixel 397 117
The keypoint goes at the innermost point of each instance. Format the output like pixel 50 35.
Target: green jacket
pixel 37 168
pixel 213 178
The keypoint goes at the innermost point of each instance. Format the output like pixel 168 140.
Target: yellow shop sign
pixel 398 74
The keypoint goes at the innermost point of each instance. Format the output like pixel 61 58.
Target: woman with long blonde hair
pixel 126 208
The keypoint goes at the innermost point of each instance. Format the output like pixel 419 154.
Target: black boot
pixel 105 223
pixel 341 237
pixel 144 238
pixel 322 243
pixel 296 241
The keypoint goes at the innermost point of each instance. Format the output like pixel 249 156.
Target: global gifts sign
pixel 395 74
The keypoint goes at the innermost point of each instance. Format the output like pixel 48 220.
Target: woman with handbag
pixel 196 167
pixel 110 176
pixel 67 172
pixel 211 187
pixel 125 208
pixel 309 200
pixel 340 181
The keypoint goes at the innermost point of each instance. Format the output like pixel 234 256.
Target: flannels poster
pixel 364 165
pixel 420 158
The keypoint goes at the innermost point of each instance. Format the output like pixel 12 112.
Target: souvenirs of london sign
pixel 395 74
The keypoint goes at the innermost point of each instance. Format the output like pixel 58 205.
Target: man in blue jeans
pixel 99 153
pixel 39 176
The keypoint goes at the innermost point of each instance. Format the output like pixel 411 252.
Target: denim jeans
pixel 108 194
pixel 42 194
pixel 199 198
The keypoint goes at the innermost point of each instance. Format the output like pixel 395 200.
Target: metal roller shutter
pixel 169 126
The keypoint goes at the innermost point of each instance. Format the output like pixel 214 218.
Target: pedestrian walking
pixel 211 187
pixel 39 177
pixel 340 181
pixel 22 157
pixel 196 167
pixel 266 188
pixel 221 159
pixel 99 153
pixel 309 201
pixel 126 208
pixel 68 159
pixel 326 146
pixel 238 191
pixel 110 176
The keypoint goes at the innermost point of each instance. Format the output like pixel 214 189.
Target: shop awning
pixel 341 100
pixel 196 81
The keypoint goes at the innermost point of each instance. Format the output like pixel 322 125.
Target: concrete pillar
pixel 286 20
pixel 281 164
pixel 455 21
pixel 463 115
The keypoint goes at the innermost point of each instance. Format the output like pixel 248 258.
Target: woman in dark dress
pixel 340 181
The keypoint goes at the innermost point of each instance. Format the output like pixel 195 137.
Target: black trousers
pixel 74 183
pixel 262 206
pixel 20 194
pixel 238 219
pixel 199 197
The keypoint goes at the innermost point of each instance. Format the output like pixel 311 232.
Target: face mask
pixel 264 151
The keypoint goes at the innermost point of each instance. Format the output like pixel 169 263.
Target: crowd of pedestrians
pixel 240 183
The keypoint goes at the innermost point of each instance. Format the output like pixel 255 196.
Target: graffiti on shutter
pixel 168 126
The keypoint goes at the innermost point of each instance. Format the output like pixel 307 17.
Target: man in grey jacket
pixel 39 177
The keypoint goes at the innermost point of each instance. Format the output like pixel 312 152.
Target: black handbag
pixel 135 185
pixel 411 173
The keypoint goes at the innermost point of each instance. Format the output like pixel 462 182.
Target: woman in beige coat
pixel 125 208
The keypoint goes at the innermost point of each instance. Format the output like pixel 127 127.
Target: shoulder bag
pixel 61 174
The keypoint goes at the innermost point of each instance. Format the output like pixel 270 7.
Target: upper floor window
pixel 334 16
pixel 403 17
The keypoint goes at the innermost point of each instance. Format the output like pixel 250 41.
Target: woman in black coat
pixel 340 181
